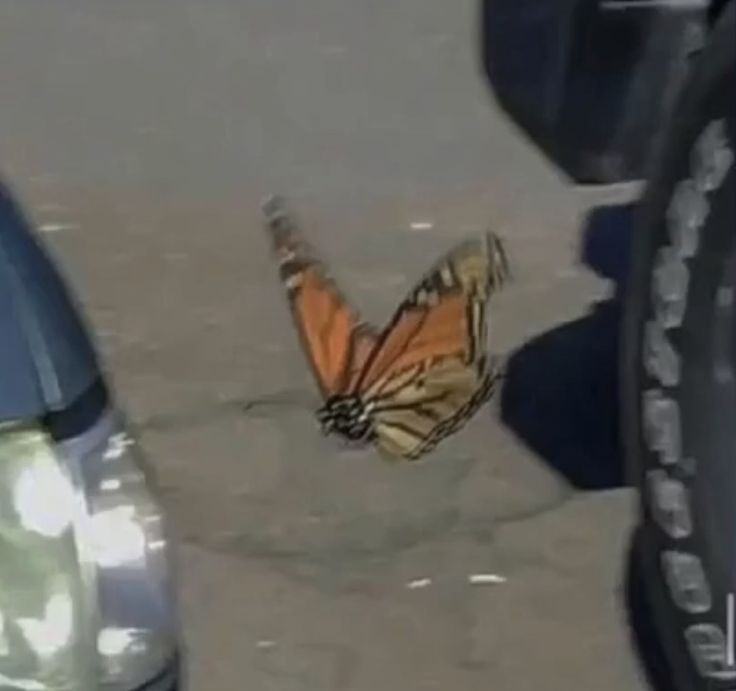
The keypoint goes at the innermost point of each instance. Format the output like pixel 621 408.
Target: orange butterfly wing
pixel 425 409
pixel 429 374
pixel 418 333
pixel 444 316
pixel 335 341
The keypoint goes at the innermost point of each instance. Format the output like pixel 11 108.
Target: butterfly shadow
pixel 561 390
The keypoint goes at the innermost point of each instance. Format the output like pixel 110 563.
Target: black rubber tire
pixel 685 282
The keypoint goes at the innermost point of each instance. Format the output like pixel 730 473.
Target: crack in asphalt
pixel 211 413
pixel 310 562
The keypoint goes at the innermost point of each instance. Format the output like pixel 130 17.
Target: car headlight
pixel 125 539
pixel 44 630
pixel 94 493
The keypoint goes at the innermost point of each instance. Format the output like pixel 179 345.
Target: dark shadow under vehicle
pixel 561 389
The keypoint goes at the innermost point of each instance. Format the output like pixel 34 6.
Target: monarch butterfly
pixel 425 374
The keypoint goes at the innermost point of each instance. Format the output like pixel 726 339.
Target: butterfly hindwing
pixel 411 422
pixel 429 373
pixel 333 338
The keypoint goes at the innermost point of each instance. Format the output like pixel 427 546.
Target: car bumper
pixel 168 680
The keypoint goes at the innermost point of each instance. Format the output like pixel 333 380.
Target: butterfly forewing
pixel 421 333
pixel 333 338
pixel 443 316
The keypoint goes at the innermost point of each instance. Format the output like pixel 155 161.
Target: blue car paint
pixel 47 359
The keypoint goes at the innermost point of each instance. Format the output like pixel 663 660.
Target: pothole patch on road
pixel 266 484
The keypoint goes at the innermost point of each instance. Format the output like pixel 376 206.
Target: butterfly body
pixel 349 417
pixel 408 386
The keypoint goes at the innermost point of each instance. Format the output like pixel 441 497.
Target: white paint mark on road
pixel 57 227
pixel 421 225
pixel 419 583
pixel 486 579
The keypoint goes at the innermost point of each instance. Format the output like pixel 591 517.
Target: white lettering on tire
pixel 687 581
pixel 667 493
pixel 709 650
pixel 662 428
pixel 669 287
pixel 670 503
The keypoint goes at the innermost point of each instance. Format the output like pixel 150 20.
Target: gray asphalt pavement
pixel 141 138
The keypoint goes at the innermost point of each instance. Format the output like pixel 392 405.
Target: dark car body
pixel 591 81
pixel 48 361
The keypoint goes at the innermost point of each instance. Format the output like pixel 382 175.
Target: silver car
pixel 86 592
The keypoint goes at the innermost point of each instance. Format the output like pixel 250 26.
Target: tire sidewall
pixel 680 543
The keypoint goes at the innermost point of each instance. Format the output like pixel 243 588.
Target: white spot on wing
pixel 286 256
pixel 446 276
pixel 293 282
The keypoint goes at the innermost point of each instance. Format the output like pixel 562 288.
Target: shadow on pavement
pixel 561 398
pixel 561 390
